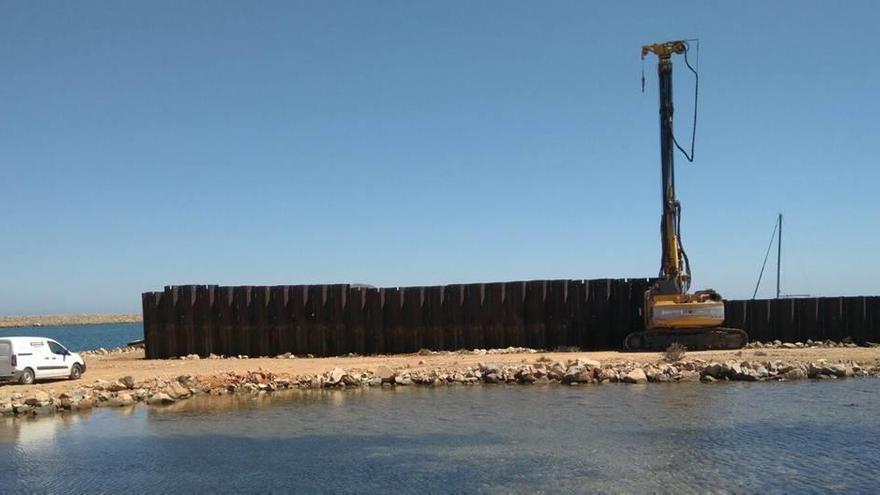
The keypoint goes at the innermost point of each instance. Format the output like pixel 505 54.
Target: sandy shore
pixel 54 320
pixel 125 378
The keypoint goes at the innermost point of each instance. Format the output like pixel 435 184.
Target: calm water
pixel 767 437
pixel 84 337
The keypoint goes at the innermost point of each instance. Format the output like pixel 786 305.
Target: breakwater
pixel 492 368
pixel 328 320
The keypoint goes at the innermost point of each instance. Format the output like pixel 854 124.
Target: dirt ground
pixel 115 366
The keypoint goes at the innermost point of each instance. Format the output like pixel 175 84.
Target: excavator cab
pixel 671 313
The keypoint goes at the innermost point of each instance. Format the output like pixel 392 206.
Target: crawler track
pixel 696 339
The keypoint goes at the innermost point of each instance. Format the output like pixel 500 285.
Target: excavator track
pixel 696 339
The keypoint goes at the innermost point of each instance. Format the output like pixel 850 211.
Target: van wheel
pixel 76 372
pixel 27 377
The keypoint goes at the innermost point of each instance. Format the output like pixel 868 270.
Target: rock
pixel 608 374
pixel 101 385
pixel 788 345
pixel 731 369
pixel 635 376
pixel 38 398
pixel 578 374
pixel 689 376
pixel 556 372
pixel 334 376
pixel 21 408
pixel 176 391
pixel 591 363
pixel 839 370
pixel 384 373
pixel 794 374
pixel 715 370
pixel 406 380
pixel 708 379
pixel 87 402
pixel 159 399
pixel 128 381
pixel 117 386
pixel 112 402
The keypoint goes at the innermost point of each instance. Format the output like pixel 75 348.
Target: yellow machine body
pixel 684 311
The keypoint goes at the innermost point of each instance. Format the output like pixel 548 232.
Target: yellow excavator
pixel 671 313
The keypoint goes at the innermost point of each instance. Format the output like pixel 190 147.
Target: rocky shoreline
pixel 127 391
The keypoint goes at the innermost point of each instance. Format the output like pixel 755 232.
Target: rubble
pixel 157 392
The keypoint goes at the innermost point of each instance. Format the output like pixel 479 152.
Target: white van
pixel 26 359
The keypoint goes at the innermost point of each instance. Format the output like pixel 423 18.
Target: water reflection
pixel 761 437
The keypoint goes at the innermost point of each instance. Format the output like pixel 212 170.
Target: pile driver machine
pixel 672 313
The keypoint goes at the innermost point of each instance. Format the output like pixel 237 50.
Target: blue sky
pixel 416 143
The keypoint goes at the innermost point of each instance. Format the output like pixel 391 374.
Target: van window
pixel 56 348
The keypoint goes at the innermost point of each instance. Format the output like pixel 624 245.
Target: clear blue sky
pixel 415 143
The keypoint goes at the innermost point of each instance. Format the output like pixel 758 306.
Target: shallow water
pixel 83 337
pixel 765 437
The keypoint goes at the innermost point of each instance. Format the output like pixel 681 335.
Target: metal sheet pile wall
pixel 327 320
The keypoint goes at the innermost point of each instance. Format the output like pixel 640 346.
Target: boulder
pixel 117 386
pixel 794 374
pixel 556 372
pixel 176 391
pixel 577 374
pixel 689 376
pixel 128 381
pixel 159 399
pixel 590 363
pixel 334 376
pixel 385 374
pixel 635 376
pixel 38 398
pixel 608 374
pixel 840 370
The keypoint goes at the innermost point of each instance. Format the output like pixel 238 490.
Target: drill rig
pixel 671 313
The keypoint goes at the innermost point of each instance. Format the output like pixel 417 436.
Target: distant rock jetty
pixel 57 320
